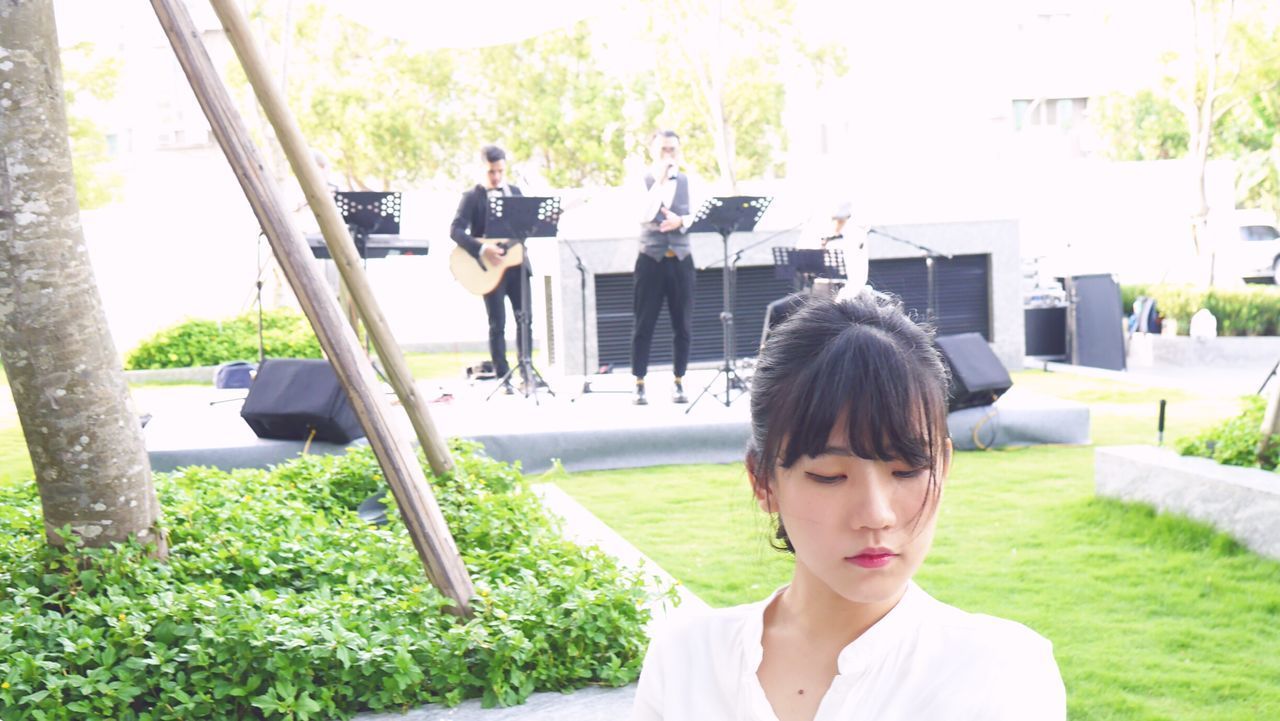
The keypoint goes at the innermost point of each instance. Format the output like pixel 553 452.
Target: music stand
pixel 367 213
pixel 725 216
pixel 520 218
pixel 802 265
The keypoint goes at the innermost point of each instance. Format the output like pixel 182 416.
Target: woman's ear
pixel 760 488
pixel 947 453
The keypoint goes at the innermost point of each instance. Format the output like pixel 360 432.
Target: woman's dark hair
pixel 861 360
pixel 492 154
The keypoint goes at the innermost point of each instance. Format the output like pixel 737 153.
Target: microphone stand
pixel 929 255
pixel 582 287
pixel 738 255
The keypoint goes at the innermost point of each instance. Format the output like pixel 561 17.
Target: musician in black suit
pixel 468 225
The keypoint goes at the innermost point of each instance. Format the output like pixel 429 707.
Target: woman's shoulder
pixel 717 633
pixel 988 647
pixel 995 647
pixel 994 637
pixel 709 624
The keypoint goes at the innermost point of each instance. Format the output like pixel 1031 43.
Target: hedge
pixel 1253 310
pixel 279 602
pixel 1234 442
pixel 202 342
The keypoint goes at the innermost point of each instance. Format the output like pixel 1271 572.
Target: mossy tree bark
pixel 68 386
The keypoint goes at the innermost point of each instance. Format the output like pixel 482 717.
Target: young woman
pixel 849 453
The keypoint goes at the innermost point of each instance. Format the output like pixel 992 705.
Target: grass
pixel 448 364
pixel 15 463
pixel 1152 617
pixel 424 366
pixel 1122 414
pixel 443 365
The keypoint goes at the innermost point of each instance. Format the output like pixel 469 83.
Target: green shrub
pixel 1234 442
pixel 278 602
pixel 1253 310
pixel 199 342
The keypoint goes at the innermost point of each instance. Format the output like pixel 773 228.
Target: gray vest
pixel 655 244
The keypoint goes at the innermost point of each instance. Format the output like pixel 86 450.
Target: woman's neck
pixel 809 606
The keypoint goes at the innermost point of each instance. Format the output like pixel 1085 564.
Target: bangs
pixel 864 378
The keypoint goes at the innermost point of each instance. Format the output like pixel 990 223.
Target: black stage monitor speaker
pixel 978 378
pixel 290 397
pixel 780 310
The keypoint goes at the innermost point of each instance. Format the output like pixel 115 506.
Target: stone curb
pixel 1243 502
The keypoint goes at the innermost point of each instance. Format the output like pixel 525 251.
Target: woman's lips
pixel 872 559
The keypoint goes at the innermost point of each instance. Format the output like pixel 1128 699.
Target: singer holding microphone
pixel 664 266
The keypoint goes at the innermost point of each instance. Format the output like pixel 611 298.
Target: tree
pixel 384 114
pixel 1143 126
pixel 577 134
pixel 85 441
pixel 1218 99
pixel 568 103
pixel 721 80
pixel 89 77
pixel 1251 133
pixel 1201 90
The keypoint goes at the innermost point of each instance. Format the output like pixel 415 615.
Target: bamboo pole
pixel 335 232
pixel 1271 420
pixel 422 517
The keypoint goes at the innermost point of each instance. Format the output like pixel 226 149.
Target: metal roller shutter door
pixel 962 289
pixel 757 287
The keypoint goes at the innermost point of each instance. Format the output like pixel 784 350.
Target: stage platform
pixel 593 431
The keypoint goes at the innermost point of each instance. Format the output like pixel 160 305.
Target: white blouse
pixel 923 660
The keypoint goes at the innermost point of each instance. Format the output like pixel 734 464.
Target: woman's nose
pixel 872 504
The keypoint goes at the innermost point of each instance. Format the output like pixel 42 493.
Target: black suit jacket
pixel 468 222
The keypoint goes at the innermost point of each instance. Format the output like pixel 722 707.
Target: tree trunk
pixel 84 437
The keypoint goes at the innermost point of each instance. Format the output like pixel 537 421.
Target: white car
pixel 1256 249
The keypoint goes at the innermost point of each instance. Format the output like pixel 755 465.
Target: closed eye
pixel 910 474
pixel 824 479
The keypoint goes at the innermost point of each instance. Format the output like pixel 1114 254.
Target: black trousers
pixel 669 279
pixel 495 306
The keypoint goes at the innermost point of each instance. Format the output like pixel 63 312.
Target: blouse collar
pixel 873 643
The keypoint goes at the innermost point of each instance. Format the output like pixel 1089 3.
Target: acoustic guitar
pixel 477 277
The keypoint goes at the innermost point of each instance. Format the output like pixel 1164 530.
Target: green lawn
pixel 1151 617
pixel 1122 414
pixel 444 365
pixel 423 366
pixel 15 464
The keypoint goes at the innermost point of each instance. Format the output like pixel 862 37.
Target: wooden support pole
pixel 1271 420
pixel 422 517
pixel 336 235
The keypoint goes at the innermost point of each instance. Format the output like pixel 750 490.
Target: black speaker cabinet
pixel 1097 329
pixel 780 310
pixel 978 377
pixel 290 397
